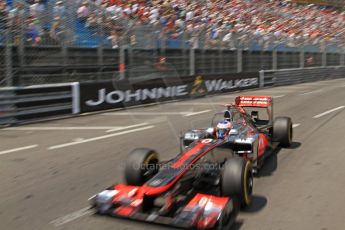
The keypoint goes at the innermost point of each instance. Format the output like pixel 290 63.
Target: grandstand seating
pixel 214 21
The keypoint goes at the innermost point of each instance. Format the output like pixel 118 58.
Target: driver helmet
pixel 223 129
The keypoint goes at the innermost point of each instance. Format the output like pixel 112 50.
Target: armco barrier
pixel 24 104
pixel 107 95
pixel 297 76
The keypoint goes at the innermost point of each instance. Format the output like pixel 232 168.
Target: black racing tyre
pixel 237 180
pixel 141 165
pixel 282 131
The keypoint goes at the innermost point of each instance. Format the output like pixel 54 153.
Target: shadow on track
pixel 237 225
pixel 295 145
pixel 258 203
pixel 271 163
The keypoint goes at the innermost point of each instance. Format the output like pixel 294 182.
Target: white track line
pixel 72 216
pixel 279 96
pixel 99 138
pixel 197 113
pixel 195 103
pixel 18 149
pixel 185 114
pixel 328 111
pixel 227 96
pixel 126 127
pixel 62 128
pixel 295 125
pixel 108 128
pixel 144 113
pixel 298 86
pixel 310 92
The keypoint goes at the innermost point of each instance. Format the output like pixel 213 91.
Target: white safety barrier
pixel 33 103
pixel 27 104
pixel 297 76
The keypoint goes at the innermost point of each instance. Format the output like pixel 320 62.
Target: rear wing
pixel 250 103
pixel 254 101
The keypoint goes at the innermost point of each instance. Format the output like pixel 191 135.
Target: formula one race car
pixel 253 134
pixel 202 187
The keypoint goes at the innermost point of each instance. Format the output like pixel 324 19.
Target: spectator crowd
pixel 203 23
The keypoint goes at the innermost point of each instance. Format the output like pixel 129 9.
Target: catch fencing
pixel 55 45
pixel 43 65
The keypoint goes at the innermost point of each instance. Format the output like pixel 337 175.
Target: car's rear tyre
pixel 237 180
pixel 141 165
pixel 282 131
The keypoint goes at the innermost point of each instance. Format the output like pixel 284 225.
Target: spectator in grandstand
pixel 161 64
pixel 92 23
pixel 17 18
pixel 265 22
pixel 3 16
pixel 37 8
pixel 33 34
pixel 59 9
pixel 56 31
pixel 83 11
pixel 213 23
pixel 114 39
pixel 310 60
pixel 229 40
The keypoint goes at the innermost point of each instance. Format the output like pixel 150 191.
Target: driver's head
pixel 223 129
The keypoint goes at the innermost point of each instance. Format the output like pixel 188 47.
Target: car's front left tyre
pixel 237 180
pixel 141 165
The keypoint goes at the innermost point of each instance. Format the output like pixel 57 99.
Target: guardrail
pixel 24 104
pixel 20 105
pixel 297 76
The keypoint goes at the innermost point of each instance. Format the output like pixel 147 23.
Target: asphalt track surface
pixel 49 170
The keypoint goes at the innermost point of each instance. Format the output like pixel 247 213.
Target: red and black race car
pixel 255 134
pixel 203 186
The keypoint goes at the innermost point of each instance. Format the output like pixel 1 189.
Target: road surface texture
pixel 49 170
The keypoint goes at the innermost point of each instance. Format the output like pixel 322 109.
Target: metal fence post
pixel 262 78
pixel 64 56
pixel 21 47
pixel 99 60
pixel 324 58
pixel 8 58
pixel 239 60
pixel 220 66
pixel 301 58
pixel 274 59
pixel 64 44
pixel 192 61
pixel 122 65
pixel 342 59
pixel 100 48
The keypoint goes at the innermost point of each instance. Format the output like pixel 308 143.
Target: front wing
pixel 202 211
